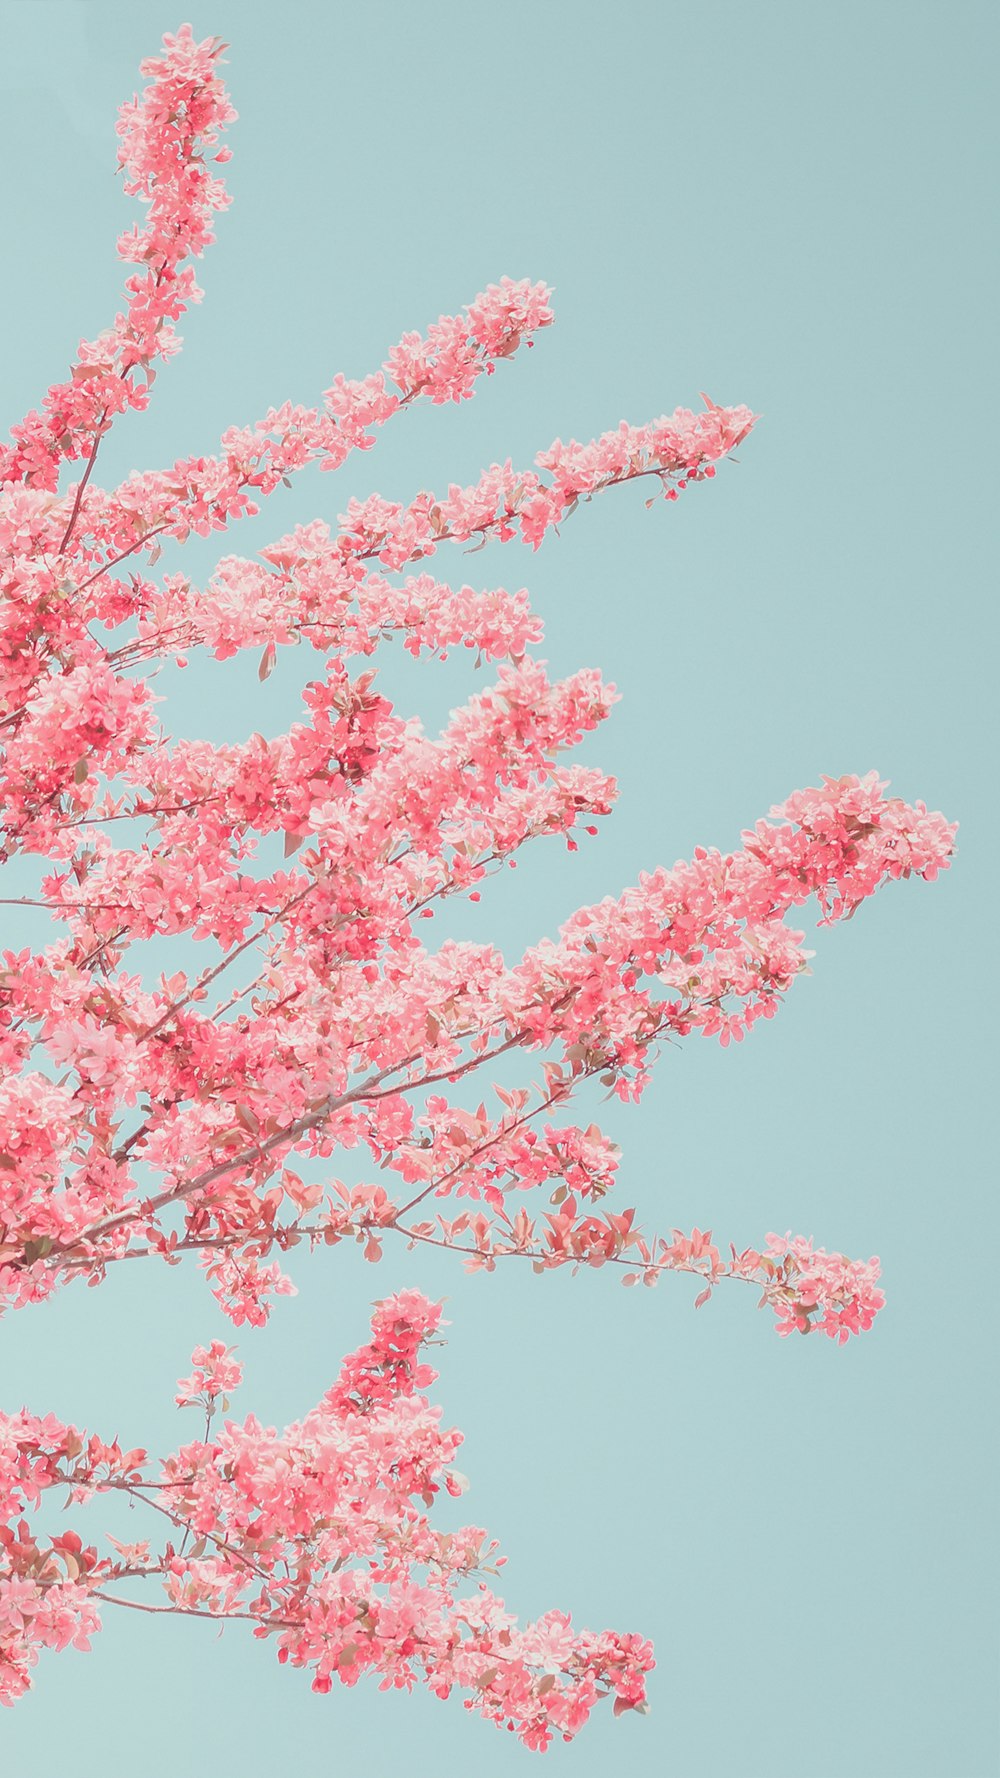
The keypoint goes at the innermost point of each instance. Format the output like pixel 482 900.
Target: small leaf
pixel 35 1250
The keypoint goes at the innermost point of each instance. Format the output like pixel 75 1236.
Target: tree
pixel 167 1123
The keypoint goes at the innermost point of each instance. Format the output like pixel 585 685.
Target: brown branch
pixel 91 460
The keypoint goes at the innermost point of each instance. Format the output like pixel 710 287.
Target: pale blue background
pixel 784 204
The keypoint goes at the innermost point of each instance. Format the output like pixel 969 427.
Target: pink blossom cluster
pixel 167 139
pixel 815 1289
pixel 215 1372
pixel 317 1536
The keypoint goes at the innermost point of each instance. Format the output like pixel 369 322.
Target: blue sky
pixel 782 205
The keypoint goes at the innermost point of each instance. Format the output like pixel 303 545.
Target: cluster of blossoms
pixel 166 140
pixel 355 1025
pixel 196 1114
pixel 316 1536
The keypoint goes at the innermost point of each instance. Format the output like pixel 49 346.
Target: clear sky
pixel 788 205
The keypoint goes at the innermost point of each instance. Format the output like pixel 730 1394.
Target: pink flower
pixel 216 1372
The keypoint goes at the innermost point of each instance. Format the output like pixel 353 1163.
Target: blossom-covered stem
pixel 210 975
pixel 572 975
pixel 367 1091
pixel 315 1535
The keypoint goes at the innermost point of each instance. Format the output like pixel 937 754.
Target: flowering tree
pixel 172 1111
